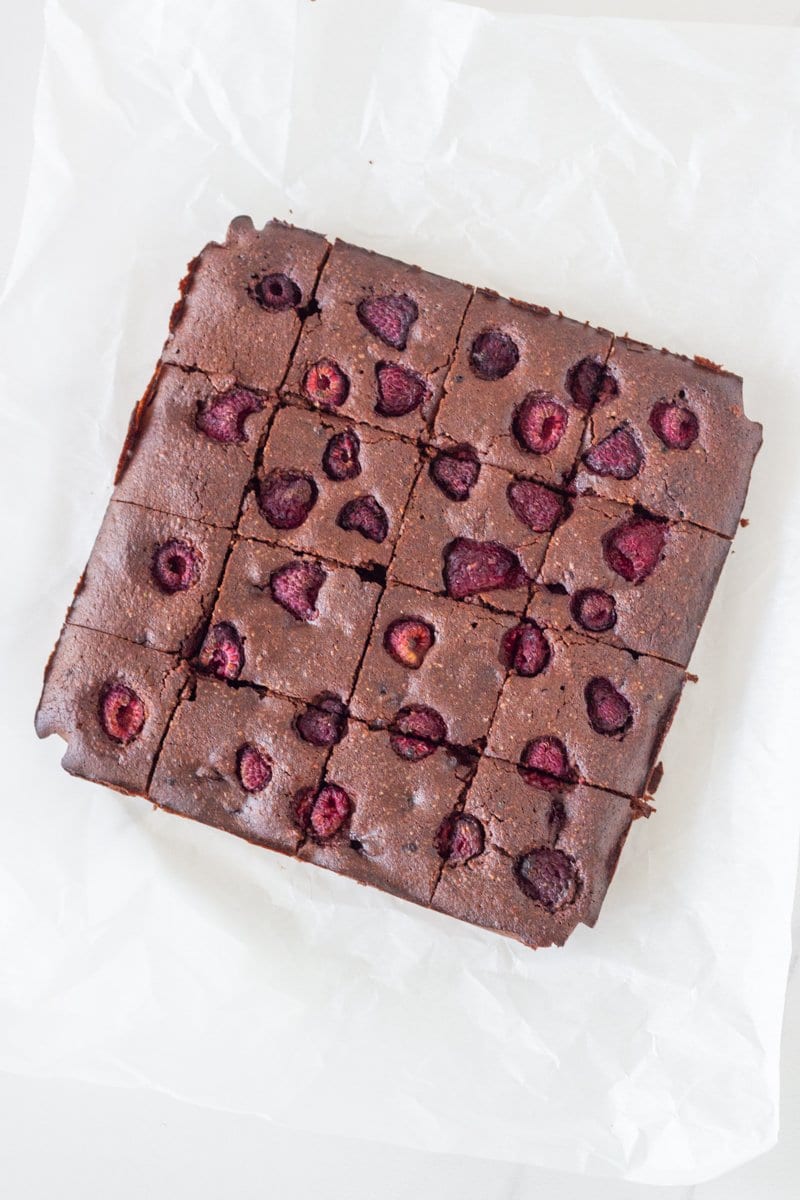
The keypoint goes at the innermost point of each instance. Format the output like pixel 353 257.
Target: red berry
pixel 471 567
pixel 525 649
pixel 591 382
pixel 677 427
pixel 416 732
pixel 326 384
pixel 634 548
pixel 253 769
pixel 322 814
pixel 389 318
pixel 535 505
pixel 609 711
pixel 408 640
pixel 324 721
pixel 286 498
pixel 222 652
pixel 493 354
pixel 459 838
pixel 277 292
pixel 400 390
pixel 223 419
pixel 340 459
pixel 456 471
pixel 121 712
pixel 175 566
pixel 364 515
pixel 594 609
pixel 618 455
pixel 539 422
pixel 296 586
pixel 547 876
pixel 544 763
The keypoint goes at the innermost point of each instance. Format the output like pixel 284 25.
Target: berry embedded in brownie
pixel 242 303
pixel 378 349
pixel 522 384
pixel 330 487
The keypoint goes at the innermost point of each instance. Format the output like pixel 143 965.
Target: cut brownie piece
pixel 433 651
pixel 240 308
pixel 111 702
pixel 289 622
pixel 547 860
pixel 594 713
pixel 674 439
pixel 151 577
pixel 234 759
pixel 191 447
pixel 393 810
pixel 331 487
pixel 379 348
pixel 635 581
pixel 521 385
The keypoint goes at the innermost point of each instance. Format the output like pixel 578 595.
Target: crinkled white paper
pixel 638 175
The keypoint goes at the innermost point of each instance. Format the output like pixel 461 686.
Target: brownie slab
pixel 331 488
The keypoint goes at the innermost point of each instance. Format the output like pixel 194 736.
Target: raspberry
pixel 223 419
pixel 677 427
pixel 416 732
pixel 175 566
pixel 548 876
pixel 324 721
pixel 340 459
pixel 456 471
pixel 525 649
pixel 591 382
pixel 296 586
pixel 471 567
pixel 277 292
pixel 400 390
pixel 286 498
pixel 222 652
pixel 544 763
pixel 539 422
pixel 389 318
pixel 121 712
pixel 253 768
pixel 608 710
pixel 322 814
pixel 535 505
pixel 459 838
pixel 364 515
pixel 326 384
pixel 493 355
pixel 634 548
pixel 594 610
pixel 408 640
pixel 618 455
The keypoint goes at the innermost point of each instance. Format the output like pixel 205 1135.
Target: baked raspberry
pixel 493 354
pixel 634 548
pixel 296 586
pixel 618 455
pixel 277 292
pixel 400 390
pixel 389 317
pixel 471 567
pixel 416 732
pixel 544 764
pixel 676 426
pixel 364 515
pixel 539 422
pixel 286 498
pixel 324 721
pixel 547 876
pixel 525 649
pixel 175 566
pixel 456 471
pixel 459 838
pixel 591 382
pixel 322 814
pixel 341 457
pixel 121 712
pixel 535 505
pixel 326 384
pixel 608 710
pixel 222 652
pixel 253 768
pixel 594 610
pixel 223 418
pixel 408 640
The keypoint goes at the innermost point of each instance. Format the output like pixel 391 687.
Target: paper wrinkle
pixel 635 174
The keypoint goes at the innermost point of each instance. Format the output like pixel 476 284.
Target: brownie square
pixel 294 656
pixel 205 770
pixel 671 567
pixel 238 315
pixel 151 577
pixel 540 354
pixel 398 807
pixel 547 860
pixel 376 312
pixel 608 709
pixel 192 447
pixel 110 701
pixel 458 649
pixel 340 488
pixel 674 439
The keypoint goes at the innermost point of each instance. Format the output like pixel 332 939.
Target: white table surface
pixel 67 1138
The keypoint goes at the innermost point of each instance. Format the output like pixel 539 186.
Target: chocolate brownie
pixel 151 577
pixel 110 701
pixel 379 347
pixel 521 385
pixel 674 439
pixel 241 303
pixel 331 487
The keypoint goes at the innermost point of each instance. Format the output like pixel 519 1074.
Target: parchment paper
pixel 638 175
